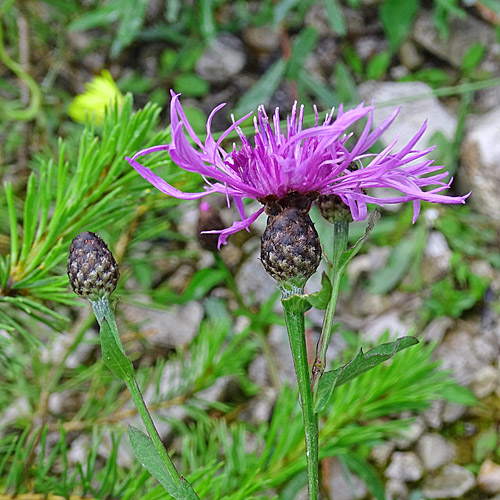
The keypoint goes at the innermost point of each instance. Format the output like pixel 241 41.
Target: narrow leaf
pixel 146 453
pixel 112 354
pixel 263 89
pixel 301 47
pixel 397 19
pixel 335 17
pixel 360 364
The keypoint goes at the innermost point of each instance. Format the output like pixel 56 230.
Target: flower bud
pixel 208 220
pixel 290 247
pixel 92 270
pixel 333 209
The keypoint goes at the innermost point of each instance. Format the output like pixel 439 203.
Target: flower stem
pixel 340 238
pixel 102 310
pixel 294 318
pixel 135 392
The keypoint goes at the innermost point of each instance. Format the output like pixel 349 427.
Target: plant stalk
pixel 102 310
pixel 296 333
pixel 335 272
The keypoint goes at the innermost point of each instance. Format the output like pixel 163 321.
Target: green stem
pixel 135 392
pixel 36 96
pixel 102 310
pixel 340 238
pixel 296 333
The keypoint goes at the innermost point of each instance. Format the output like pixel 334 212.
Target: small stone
pixel 262 39
pixel 434 415
pixel 253 281
pixel 410 57
pixel 452 482
pixel 223 59
pixel 452 412
pixel 458 353
pixel 488 478
pixel 344 486
pixel 479 155
pixel 412 115
pixel 436 329
pixel 381 453
pixel 437 257
pixel 390 322
pixel 485 381
pixel 435 451
pixel 405 466
pixel 396 490
pixel 172 328
pixel 457 43
pixel 278 341
pixel 410 435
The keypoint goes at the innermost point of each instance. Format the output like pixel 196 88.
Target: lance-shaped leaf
pixel 146 453
pixel 356 367
pixel 112 353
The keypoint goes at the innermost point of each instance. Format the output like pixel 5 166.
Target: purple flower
pixel 320 160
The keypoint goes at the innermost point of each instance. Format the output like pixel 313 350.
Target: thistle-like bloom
pixel 321 160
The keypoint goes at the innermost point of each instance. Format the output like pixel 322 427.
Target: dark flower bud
pixel 92 269
pixel 333 209
pixel 290 247
pixel 208 220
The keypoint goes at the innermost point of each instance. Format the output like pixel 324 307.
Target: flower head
pixel 99 94
pixel 92 269
pixel 321 160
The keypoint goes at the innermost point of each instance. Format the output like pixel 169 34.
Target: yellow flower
pixel 100 93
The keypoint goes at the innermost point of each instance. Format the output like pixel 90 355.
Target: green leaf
pixel 486 443
pixel 301 47
pixel 201 283
pixel 113 355
pixel 335 17
pixel 400 260
pixel 132 14
pixel 378 65
pixel 191 85
pixel 145 451
pixel 323 92
pixel 320 299
pixel 349 254
pixel 356 367
pixel 297 303
pixel 397 19
pixel 435 77
pixel 366 472
pixel 263 89
pixel 345 86
pixel 473 57
pixel 186 491
pixel 353 60
pixel 460 395
pixel 102 16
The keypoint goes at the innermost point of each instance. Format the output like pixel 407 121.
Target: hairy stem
pixel 340 237
pixel 103 311
pixel 296 333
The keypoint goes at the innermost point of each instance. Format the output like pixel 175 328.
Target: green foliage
pixel 83 183
pixel 397 19
pixel 91 190
pixel 146 453
pixel 360 364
